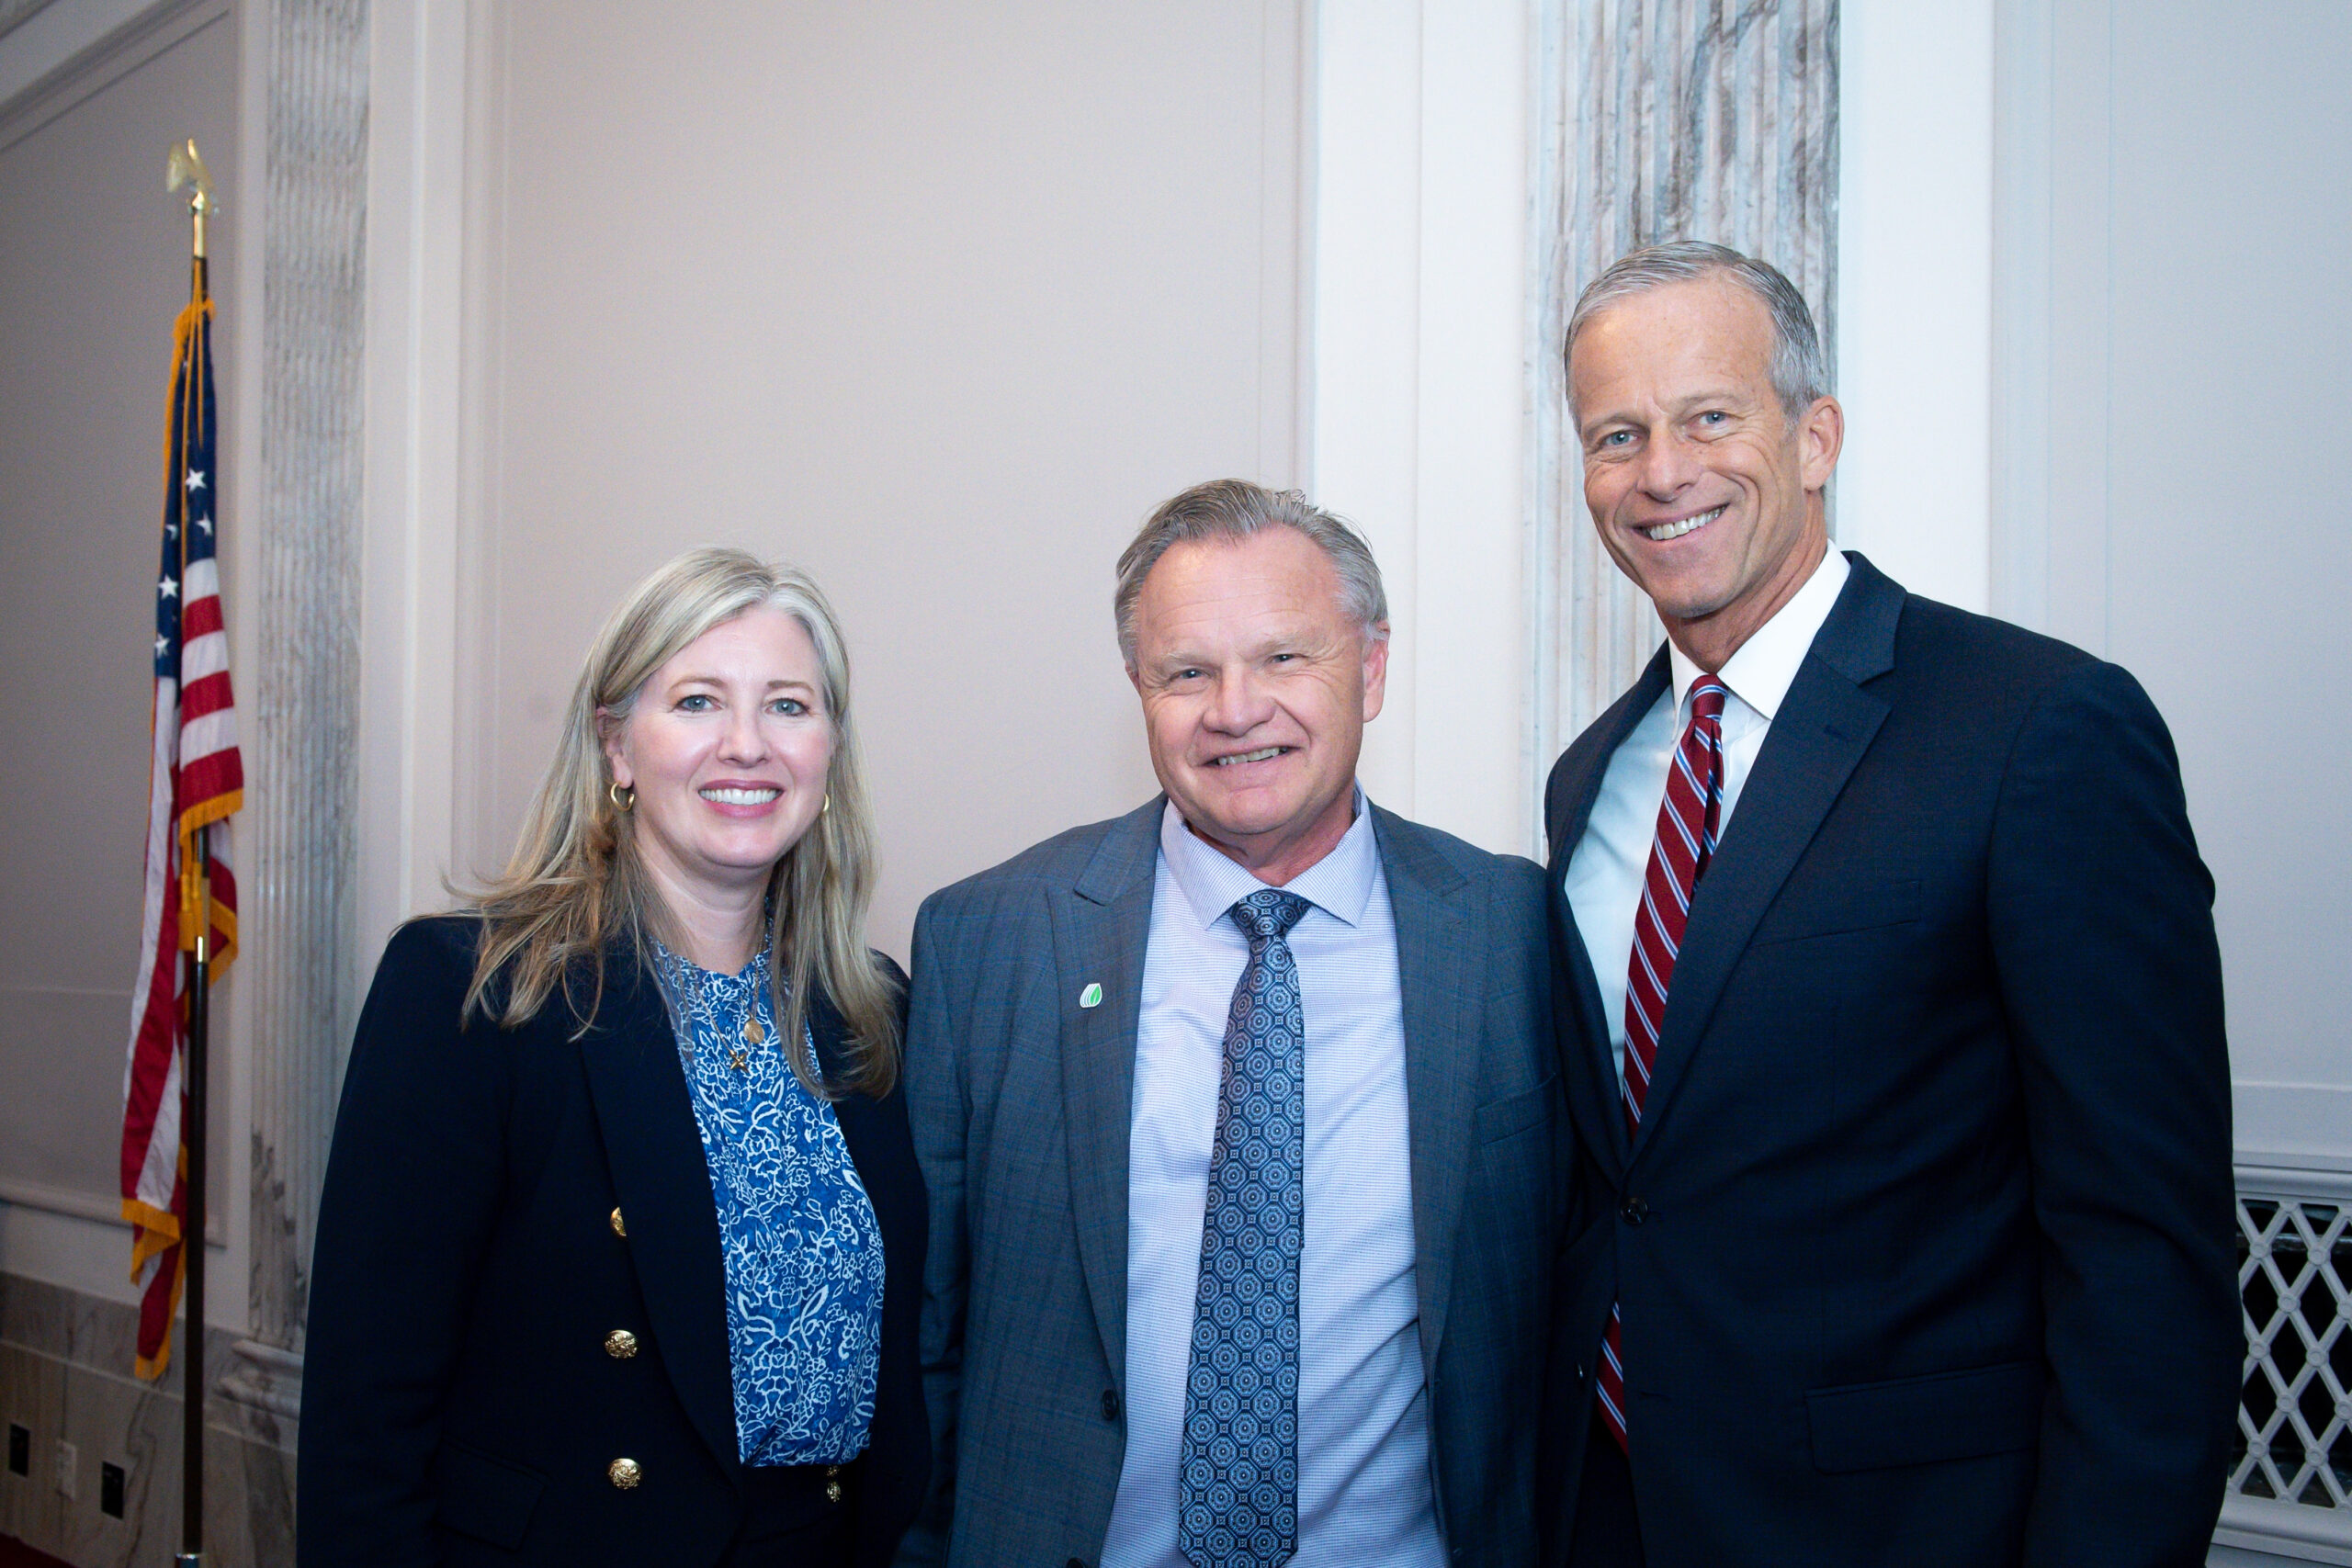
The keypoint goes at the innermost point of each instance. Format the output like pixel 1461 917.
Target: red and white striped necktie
pixel 1688 819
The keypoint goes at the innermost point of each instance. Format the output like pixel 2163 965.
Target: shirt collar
pixel 1212 883
pixel 1761 670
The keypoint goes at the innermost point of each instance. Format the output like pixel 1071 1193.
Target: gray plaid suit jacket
pixel 1019 1099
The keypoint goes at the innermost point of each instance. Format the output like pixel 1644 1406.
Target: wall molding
pixel 2286 1530
pixel 305 582
pixel 68 51
pixel 98 1207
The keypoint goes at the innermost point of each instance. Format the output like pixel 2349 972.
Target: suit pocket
pixel 1847 908
pixel 1515 1113
pixel 486 1498
pixel 1947 1416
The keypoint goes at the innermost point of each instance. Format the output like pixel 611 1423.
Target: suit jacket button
pixel 833 1491
pixel 1076 1563
pixel 1633 1210
pixel 1110 1405
pixel 620 1344
pixel 619 1229
pixel 624 1473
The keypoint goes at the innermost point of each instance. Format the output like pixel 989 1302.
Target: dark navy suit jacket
pixel 458 1404
pixel 1925 1242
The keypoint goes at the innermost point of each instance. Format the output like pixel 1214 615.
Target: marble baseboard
pixel 65 1361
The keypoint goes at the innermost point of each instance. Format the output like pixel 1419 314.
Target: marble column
pixel 301 803
pixel 1659 119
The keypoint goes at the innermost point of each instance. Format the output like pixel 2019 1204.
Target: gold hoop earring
pixel 829 804
pixel 623 797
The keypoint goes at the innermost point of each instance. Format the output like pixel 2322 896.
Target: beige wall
pixel 938 302
pixel 93 267
pixel 939 306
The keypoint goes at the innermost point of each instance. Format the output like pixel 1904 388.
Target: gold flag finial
pixel 186 168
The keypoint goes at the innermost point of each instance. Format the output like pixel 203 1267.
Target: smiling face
pixel 727 747
pixel 1706 494
pixel 1256 687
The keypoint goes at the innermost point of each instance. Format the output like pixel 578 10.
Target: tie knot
pixel 1707 695
pixel 1268 913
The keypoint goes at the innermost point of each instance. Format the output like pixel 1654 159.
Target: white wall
pixel 1421 193
pixel 2195 330
pixel 1914 281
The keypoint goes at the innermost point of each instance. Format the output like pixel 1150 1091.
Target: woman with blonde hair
pixel 619 1254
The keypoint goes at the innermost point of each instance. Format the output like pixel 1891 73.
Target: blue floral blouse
pixel 802 1248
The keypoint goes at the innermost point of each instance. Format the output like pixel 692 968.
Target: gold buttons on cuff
pixel 619 1229
pixel 624 1473
pixel 620 1344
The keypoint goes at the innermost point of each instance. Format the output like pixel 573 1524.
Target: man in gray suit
pixel 1244 1135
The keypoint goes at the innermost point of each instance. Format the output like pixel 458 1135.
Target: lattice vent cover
pixel 2294 1439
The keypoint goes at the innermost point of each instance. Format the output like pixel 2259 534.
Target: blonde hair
pixel 577 880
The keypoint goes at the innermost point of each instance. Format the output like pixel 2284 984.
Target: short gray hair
pixel 1233 510
pixel 1800 372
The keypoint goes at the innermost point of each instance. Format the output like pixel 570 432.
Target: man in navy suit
pixel 1891 1014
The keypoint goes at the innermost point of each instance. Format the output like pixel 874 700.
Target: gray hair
pixel 1233 510
pixel 1800 373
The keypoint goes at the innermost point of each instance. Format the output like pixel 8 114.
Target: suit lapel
pixel 1824 726
pixel 1439 960
pixel 663 1178
pixel 1591 1078
pixel 1100 928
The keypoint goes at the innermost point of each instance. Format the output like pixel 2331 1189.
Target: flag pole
pixel 199 1032
pixel 186 168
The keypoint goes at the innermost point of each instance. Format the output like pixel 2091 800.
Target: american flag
pixel 196 781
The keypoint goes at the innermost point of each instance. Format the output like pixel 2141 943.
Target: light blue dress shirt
pixel 1365 1493
pixel 1603 882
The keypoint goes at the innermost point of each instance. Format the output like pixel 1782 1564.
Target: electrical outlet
pixel 111 1479
pixel 20 1449
pixel 68 1459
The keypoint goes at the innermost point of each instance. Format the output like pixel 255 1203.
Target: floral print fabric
pixel 802 1248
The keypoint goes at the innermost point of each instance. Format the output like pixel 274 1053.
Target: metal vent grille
pixel 2294 1439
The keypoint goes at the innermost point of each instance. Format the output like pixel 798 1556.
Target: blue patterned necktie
pixel 1238 1498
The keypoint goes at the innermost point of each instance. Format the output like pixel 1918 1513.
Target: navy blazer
pixel 1926 1244
pixel 458 1403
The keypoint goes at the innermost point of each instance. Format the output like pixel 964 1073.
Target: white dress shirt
pixel 1364 1463
pixel 1604 877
